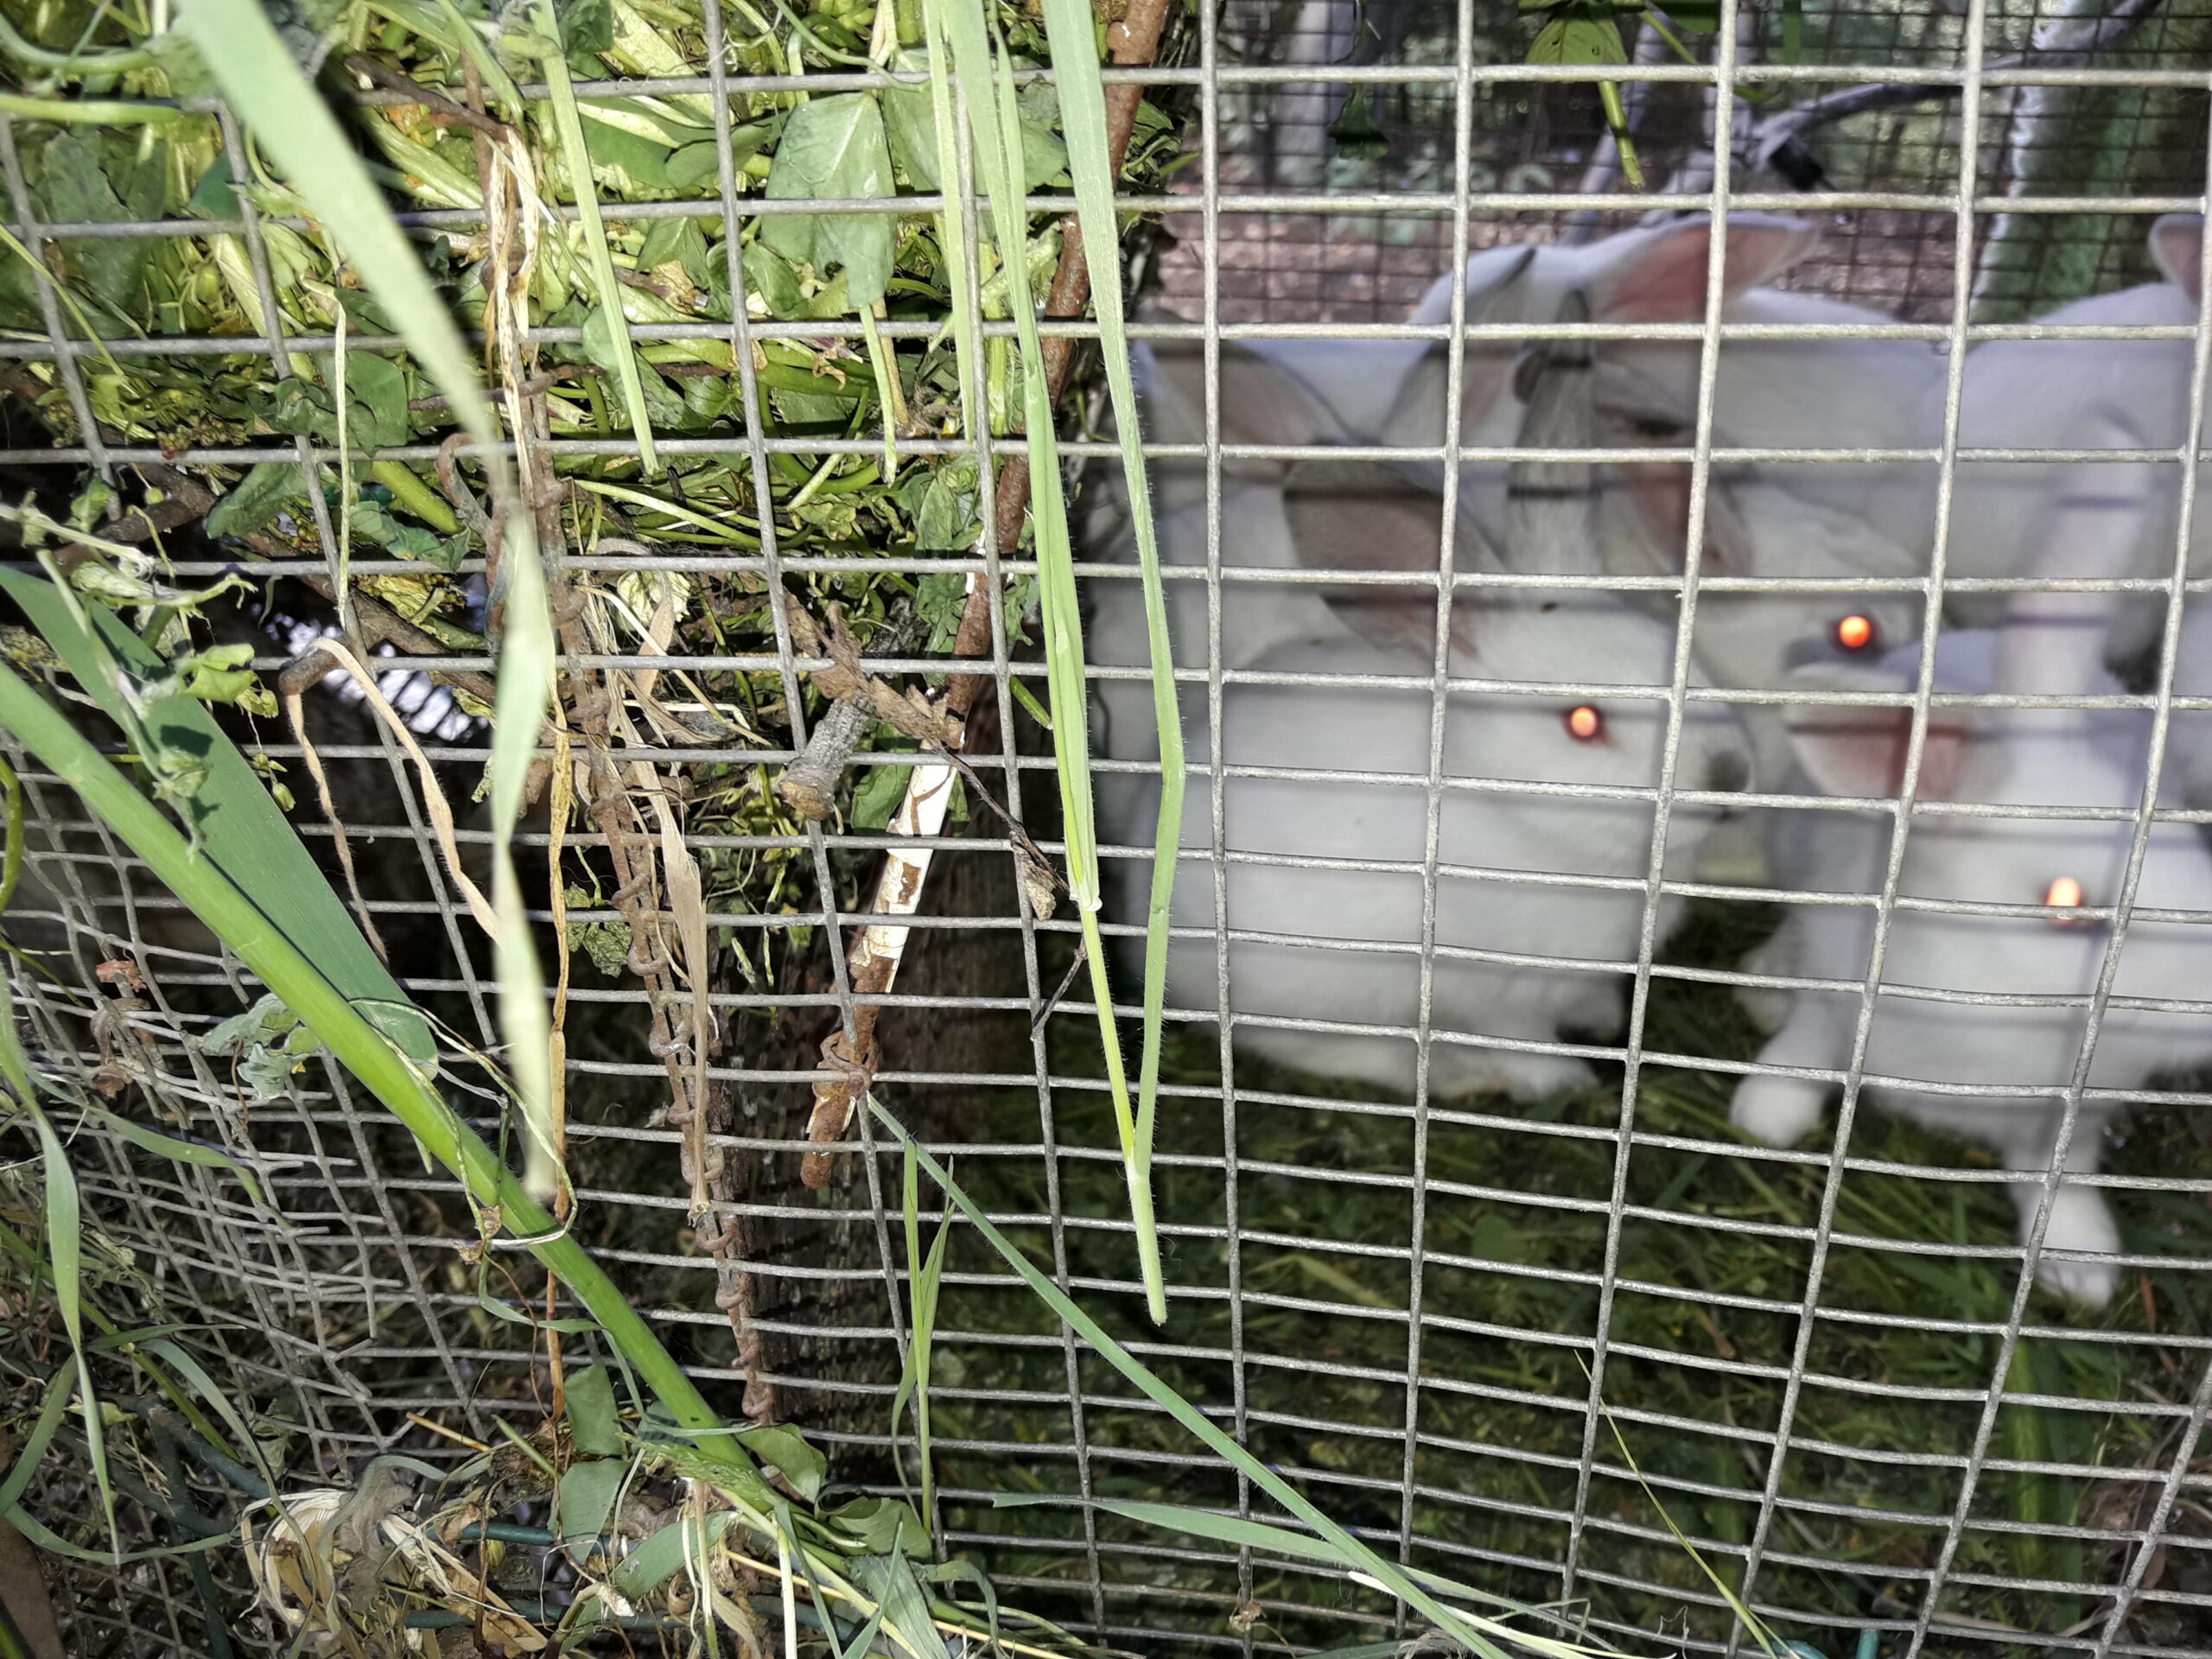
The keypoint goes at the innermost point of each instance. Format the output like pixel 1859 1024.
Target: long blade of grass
pixel 1069 29
pixel 1752 1624
pixel 262 83
pixel 924 1275
pixel 998 143
pixel 243 832
pixel 576 157
pixel 525 681
pixel 364 1050
pixel 64 1244
pixel 206 1387
pixel 1481 1634
pixel 52 1409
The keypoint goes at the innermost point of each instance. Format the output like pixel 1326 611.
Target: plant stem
pixel 357 1044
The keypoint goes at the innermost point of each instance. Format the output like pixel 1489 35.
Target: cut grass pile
pixel 1710 1270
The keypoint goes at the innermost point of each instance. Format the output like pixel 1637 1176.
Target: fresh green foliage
pixel 1083 101
pixel 614 351
pixel 834 147
pixel 64 1243
pixel 959 30
pixel 245 925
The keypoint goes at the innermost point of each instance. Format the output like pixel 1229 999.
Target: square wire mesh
pixel 1455 1322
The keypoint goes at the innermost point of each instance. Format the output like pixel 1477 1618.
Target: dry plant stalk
pixel 871 962
pixel 646 852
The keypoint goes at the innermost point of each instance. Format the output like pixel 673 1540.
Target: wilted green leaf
pixel 947 522
pixel 1578 37
pixel 82 184
pixel 786 1448
pixel 637 166
pixel 770 276
pixel 679 239
pixel 587 26
pixel 882 1524
pixel 878 797
pixel 834 148
pixel 594 1426
pixel 660 1557
pixel 376 402
pixel 585 1497
pixel 257 498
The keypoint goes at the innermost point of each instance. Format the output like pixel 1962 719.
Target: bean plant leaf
pixel 260 496
pixel 834 148
pixel 585 1497
pixel 879 796
pixel 909 113
pixel 660 1557
pixel 1578 37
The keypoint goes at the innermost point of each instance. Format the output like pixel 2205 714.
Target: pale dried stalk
pixel 434 799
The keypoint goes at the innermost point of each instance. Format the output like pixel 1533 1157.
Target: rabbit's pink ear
pixel 1659 492
pixel 1260 403
pixel 2177 244
pixel 1664 281
pixel 1360 515
pixel 1485 366
pixel 1861 752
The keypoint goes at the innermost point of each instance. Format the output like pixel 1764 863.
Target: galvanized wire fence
pixel 1553 1348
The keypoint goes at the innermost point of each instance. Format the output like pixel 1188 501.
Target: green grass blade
pixel 365 1052
pixel 924 1274
pixel 243 832
pixel 51 1410
pixel 952 223
pixel 289 118
pixel 1070 27
pixel 575 158
pixel 207 1388
pixel 994 121
pixel 64 1244
pixel 1752 1624
pixel 1299 1546
pixel 1481 1634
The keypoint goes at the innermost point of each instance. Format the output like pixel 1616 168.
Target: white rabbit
pixel 2080 395
pixel 1323 942
pixel 2189 736
pixel 1932 1024
pixel 1768 522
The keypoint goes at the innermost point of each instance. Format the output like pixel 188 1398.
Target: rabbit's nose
pixel 1728 773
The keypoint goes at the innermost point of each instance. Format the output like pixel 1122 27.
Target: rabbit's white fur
pixel 2011 518
pixel 1810 520
pixel 1922 1031
pixel 1345 946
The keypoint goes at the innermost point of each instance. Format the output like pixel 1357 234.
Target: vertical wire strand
pixel 2109 969
pixel 1724 95
pixel 1217 771
pixel 1463 107
pixel 1808 1316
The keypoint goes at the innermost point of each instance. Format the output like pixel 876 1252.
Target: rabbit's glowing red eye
pixel 1857 632
pixel 2064 892
pixel 1585 723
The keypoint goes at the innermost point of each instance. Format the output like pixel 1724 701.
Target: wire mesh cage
pixel 1515 1295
